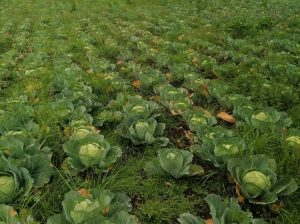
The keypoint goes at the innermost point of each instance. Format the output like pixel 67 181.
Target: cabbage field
pixel 149 111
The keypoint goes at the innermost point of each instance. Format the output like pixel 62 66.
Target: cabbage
pixel 7 186
pixel 90 154
pixel 255 182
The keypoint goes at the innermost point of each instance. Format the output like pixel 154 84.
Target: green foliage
pixel 94 206
pixel 24 151
pixel 69 71
pixel 143 131
pixel 176 99
pixel 14 181
pixel 198 118
pixel 222 211
pixel 9 215
pixel 258 181
pixel 91 151
pixel 174 162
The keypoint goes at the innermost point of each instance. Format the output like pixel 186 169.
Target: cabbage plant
pixel 91 151
pixel 140 108
pixel 143 131
pixel 26 152
pixel 108 116
pixel 81 130
pixel 292 141
pixel 180 105
pixel 262 118
pixel 244 110
pixel 196 84
pixel 19 117
pixel 79 94
pixel 174 162
pixel 59 109
pixel 256 177
pixel 94 206
pixel 126 106
pixel 268 118
pixel 9 216
pixel 110 82
pixel 176 99
pixel 151 78
pixel 218 149
pixel 222 210
pixel 214 132
pixel 198 119
pixel 169 93
pixel 14 181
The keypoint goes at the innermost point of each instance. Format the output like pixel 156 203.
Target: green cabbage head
pixel 91 153
pixel 256 182
pixel 7 186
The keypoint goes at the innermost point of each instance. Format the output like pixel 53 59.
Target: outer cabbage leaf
pixel 188 218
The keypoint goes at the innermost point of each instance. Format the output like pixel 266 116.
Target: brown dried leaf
pixel 240 197
pixel 189 135
pixel 120 62
pixel 173 113
pixel 168 184
pixel 169 76
pixel 137 84
pixel 277 207
pixel 179 144
pixel 90 71
pixel 180 38
pixel 12 213
pixel 106 211
pixel 209 221
pixel 226 117
pixel 68 131
pixel 84 192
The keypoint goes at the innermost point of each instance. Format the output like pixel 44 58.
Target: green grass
pixel 252 45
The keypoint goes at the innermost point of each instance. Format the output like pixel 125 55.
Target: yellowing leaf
pixel 90 71
pixel 137 84
pixel 180 38
pixel 209 221
pixel 12 213
pixel 169 76
pixel 226 117
pixel 277 207
pixel 189 135
pixel 120 62
pixel 68 131
pixel 106 211
pixel 168 184
pixel 84 192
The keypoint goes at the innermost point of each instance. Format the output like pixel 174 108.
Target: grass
pixel 251 45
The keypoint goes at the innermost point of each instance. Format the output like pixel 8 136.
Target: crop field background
pixel 161 111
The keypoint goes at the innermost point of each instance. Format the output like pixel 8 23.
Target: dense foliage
pixel 156 111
